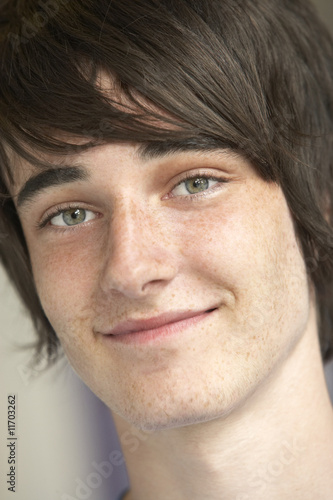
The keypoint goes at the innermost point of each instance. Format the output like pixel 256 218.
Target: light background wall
pixel 56 444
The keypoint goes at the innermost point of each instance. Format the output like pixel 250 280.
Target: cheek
pixel 213 242
pixel 250 249
pixel 227 244
pixel 64 275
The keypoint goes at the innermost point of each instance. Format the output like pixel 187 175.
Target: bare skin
pixel 279 444
pixel 233 406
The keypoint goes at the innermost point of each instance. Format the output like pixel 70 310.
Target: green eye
pixel 72 217
pixel 197 184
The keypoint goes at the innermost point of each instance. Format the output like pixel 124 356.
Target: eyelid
pixel 58 210
pixel 222 179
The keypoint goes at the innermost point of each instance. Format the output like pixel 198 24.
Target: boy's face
pixel 193 234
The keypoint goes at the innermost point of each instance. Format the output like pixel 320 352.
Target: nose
pixel 139 258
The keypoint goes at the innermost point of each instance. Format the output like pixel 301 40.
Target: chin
pixel 158 419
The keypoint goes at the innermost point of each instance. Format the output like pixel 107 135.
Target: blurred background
pixel 61 427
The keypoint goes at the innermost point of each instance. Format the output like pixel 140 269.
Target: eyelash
pixel 58 211
pixel 200 175
pixel 192 197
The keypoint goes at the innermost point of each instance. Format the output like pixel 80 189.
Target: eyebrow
pixel 62 174
pixel 54 176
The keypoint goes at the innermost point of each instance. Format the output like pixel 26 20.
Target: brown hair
pixel 251 75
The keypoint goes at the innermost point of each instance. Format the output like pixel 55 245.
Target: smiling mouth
pixel 156 329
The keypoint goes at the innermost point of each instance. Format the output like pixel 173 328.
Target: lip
pixel 143 330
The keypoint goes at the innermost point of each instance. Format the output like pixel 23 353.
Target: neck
pixel 278 444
